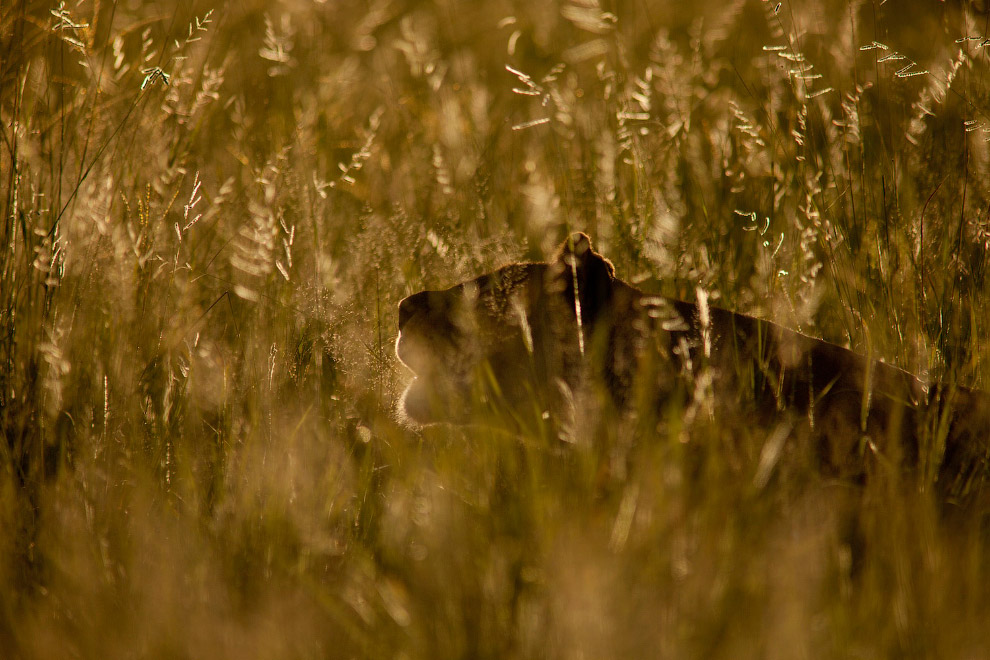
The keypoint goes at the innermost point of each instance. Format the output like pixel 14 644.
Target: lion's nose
pixel 410 306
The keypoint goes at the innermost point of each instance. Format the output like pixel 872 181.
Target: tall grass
pixel 211 211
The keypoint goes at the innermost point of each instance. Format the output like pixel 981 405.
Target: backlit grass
pixel 210 212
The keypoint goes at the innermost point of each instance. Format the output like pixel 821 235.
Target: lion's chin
pixel 419 404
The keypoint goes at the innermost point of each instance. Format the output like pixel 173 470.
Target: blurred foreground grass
pixel 211 211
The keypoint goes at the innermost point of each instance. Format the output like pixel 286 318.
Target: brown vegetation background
pixel 210 212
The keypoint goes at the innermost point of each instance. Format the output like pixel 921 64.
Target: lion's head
pixel 510 340
pixel 537 338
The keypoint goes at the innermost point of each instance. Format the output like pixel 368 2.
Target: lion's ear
pixel 578 264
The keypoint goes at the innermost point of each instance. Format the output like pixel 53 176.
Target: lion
pixel 534 340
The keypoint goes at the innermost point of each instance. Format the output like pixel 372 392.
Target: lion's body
pixel 520 340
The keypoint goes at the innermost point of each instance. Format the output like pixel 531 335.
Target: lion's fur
pixel 518 341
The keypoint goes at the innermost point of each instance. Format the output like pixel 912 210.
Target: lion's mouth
pixel 434 358
pixel 413 355
pixel 402 351
pixel 416 403
pixel 435 389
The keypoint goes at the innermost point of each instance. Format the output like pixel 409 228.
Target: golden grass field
pixel 210 212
